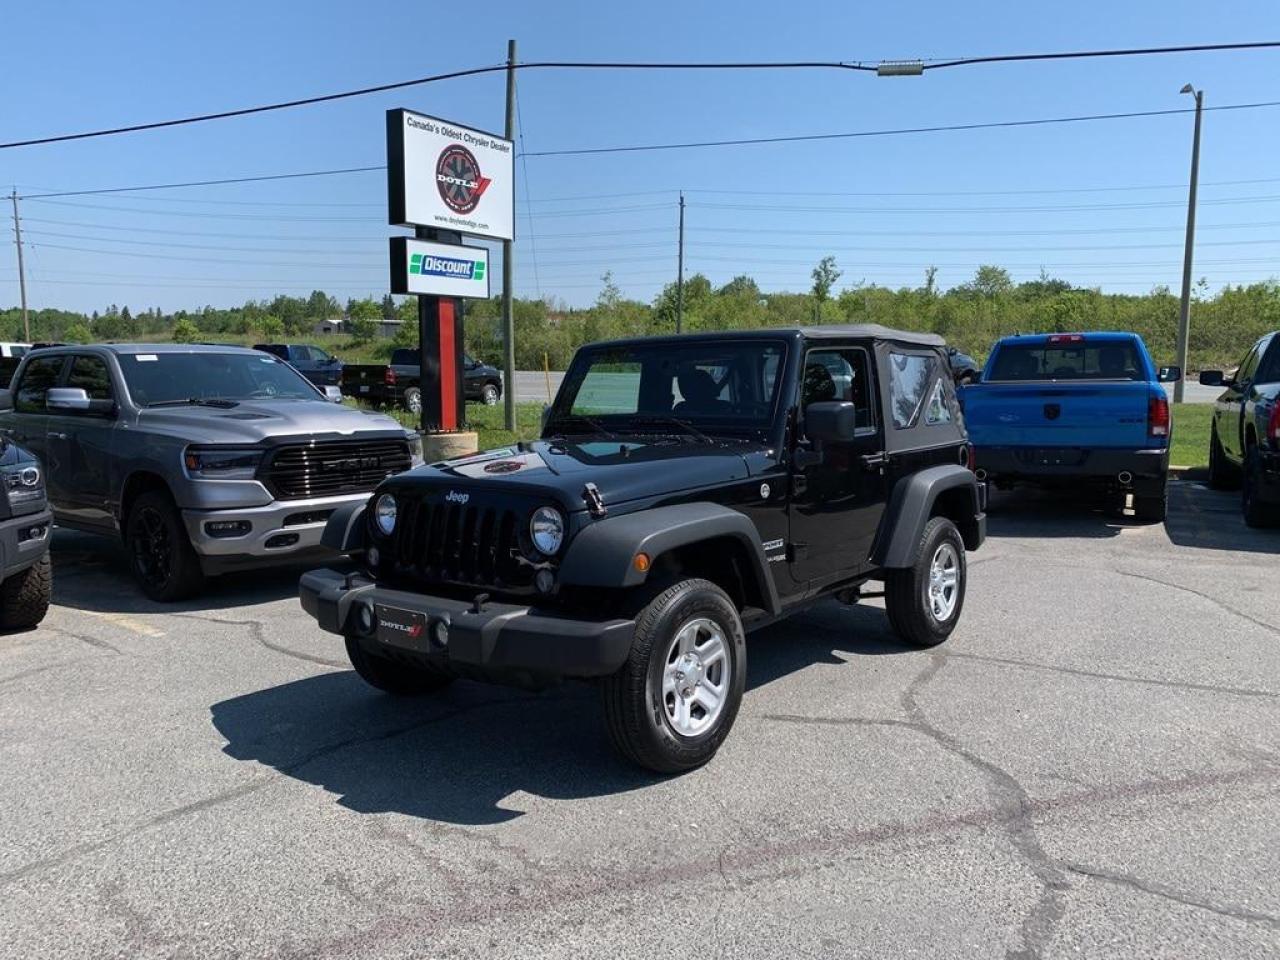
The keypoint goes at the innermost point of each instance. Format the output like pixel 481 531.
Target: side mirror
pixel 6 401
pixel 830 421
pixel 76 400
pixel 1169 374
pixel 333 394
pixel 1211 378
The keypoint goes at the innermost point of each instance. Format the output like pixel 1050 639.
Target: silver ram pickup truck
pixel 204 459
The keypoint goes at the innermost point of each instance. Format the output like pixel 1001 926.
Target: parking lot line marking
pixel 124 622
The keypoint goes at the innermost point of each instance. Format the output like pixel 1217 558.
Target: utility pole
pixel 22 276
pixel 1184 314
pixel 508 273
pixel 680 271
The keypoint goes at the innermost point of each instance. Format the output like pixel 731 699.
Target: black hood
pixel 621 469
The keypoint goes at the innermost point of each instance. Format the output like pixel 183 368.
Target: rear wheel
pixel 24 597
pixel 390 676
pixel 413 400
pixel 160 553
pixel 674 701
pixel 1223 475
pixel 1256 512
pixel 490 394
pixel 924 600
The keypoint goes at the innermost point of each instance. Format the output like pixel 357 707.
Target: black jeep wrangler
pixel 685 490
pixel 26 581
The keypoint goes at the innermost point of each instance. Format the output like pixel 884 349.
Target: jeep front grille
pixel 464 544
pixel 326 468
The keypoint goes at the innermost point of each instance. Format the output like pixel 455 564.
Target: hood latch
pixel 595 502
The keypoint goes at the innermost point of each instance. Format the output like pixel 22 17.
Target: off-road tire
pixel 490 394
pixel 184 577
pixel 1223 475
pixel 635 715
pixel 412 400
pixel 390 676
pixel 1256 513
pixel 906 590
pixel 24 597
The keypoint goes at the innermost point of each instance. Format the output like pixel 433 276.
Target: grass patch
pixel 488 422
pixel 1190 434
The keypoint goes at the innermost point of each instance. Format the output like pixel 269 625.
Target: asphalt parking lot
pixel 1089 767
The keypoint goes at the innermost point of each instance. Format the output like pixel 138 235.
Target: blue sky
pixel 885 207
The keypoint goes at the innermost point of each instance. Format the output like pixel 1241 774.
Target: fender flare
pixel 910 507
pixel 344 530
pixel 601 555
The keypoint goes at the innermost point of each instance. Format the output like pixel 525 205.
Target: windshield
pixel 698 388
pixel 1113 360
pixel 154 378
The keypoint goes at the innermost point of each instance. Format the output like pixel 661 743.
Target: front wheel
pixel 160 553
pixel 1223 475
pixel 413 400
pixel 924 600
pixel 490 394
pixel 674 701
pixel 24 597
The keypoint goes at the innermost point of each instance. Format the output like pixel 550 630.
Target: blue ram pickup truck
pixel 1074 408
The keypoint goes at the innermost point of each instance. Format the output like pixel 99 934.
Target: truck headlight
pixel 414 439
pixel 222 463
pixel 23 481
pixel 384 514
pixel 546 530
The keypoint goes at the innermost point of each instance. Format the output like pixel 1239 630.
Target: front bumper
pixel 19 548
pixel 282 528
pixel 1045 463
pixel 500 641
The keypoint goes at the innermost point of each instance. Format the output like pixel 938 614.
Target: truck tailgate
pixel 1046 414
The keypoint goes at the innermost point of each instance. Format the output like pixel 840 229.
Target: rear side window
pixel 39 376
pixel 1114 360
pixel 90 374
pixel 1269 369
pixel 909 378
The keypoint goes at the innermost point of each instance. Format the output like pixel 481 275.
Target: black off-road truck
pixel 26 580
pixel 684 491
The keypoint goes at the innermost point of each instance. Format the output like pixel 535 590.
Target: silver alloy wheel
pixel 943 587
pixel 413 402
pixel 489 395
pixel 695 677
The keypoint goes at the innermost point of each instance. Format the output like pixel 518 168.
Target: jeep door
pixel 837 493
pixel 80 443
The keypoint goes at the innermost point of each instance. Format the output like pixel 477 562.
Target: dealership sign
pixel 443 269
pixel 449 177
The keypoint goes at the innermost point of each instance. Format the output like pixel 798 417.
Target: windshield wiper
pixel 684 425
pixel 223 403
pixel 595 425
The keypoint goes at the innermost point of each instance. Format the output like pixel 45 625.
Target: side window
pixel 39 376
pixel 1247 367
pixel 1269 368
pixel 842 375
pixel 937 410
pixel 91 375
pixel 909 378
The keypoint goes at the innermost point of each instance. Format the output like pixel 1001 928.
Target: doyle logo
pixel 426 265
pixel 458 179
pixel 453 496
pixel 414 631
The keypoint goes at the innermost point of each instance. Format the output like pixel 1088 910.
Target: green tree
pixel 824 276
pixel 185 331
pixel 362 319
pixel 78 333
pixel 270 326
pixel 991 281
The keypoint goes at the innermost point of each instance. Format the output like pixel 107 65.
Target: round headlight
pixel 546 529
pixel 384 512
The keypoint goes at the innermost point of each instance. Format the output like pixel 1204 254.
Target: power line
pixel 204 183
pixel 901 131
pixel 1086 54
pixel 1054 208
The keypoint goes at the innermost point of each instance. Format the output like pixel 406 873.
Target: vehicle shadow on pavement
pixel 92 573
pixel 455 756
pixel 1211 520
pixel 451 757
pixel 1061 512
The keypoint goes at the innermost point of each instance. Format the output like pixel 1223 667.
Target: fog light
pixel 227 528
pixel 281 540
pixel 440 632
pixel 364 618
pixel 544 580
pixel 373 556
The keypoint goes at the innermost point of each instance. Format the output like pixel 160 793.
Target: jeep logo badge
pixel 453 496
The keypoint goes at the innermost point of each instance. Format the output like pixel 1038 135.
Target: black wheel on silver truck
pixel 924 600
pixel 24 597
pixel 413 400
pixel 391 676
pixel 1256 512
pixel 674 701
pixel 1223 474
pixel 160 553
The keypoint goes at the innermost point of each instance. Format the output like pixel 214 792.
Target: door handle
pixel 873 460
pixel 54 435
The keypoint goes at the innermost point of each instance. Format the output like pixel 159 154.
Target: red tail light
pixel 1158 416
pixel 389 377
pixel 1273 422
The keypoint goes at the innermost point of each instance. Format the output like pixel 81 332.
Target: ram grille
pixel 328 468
